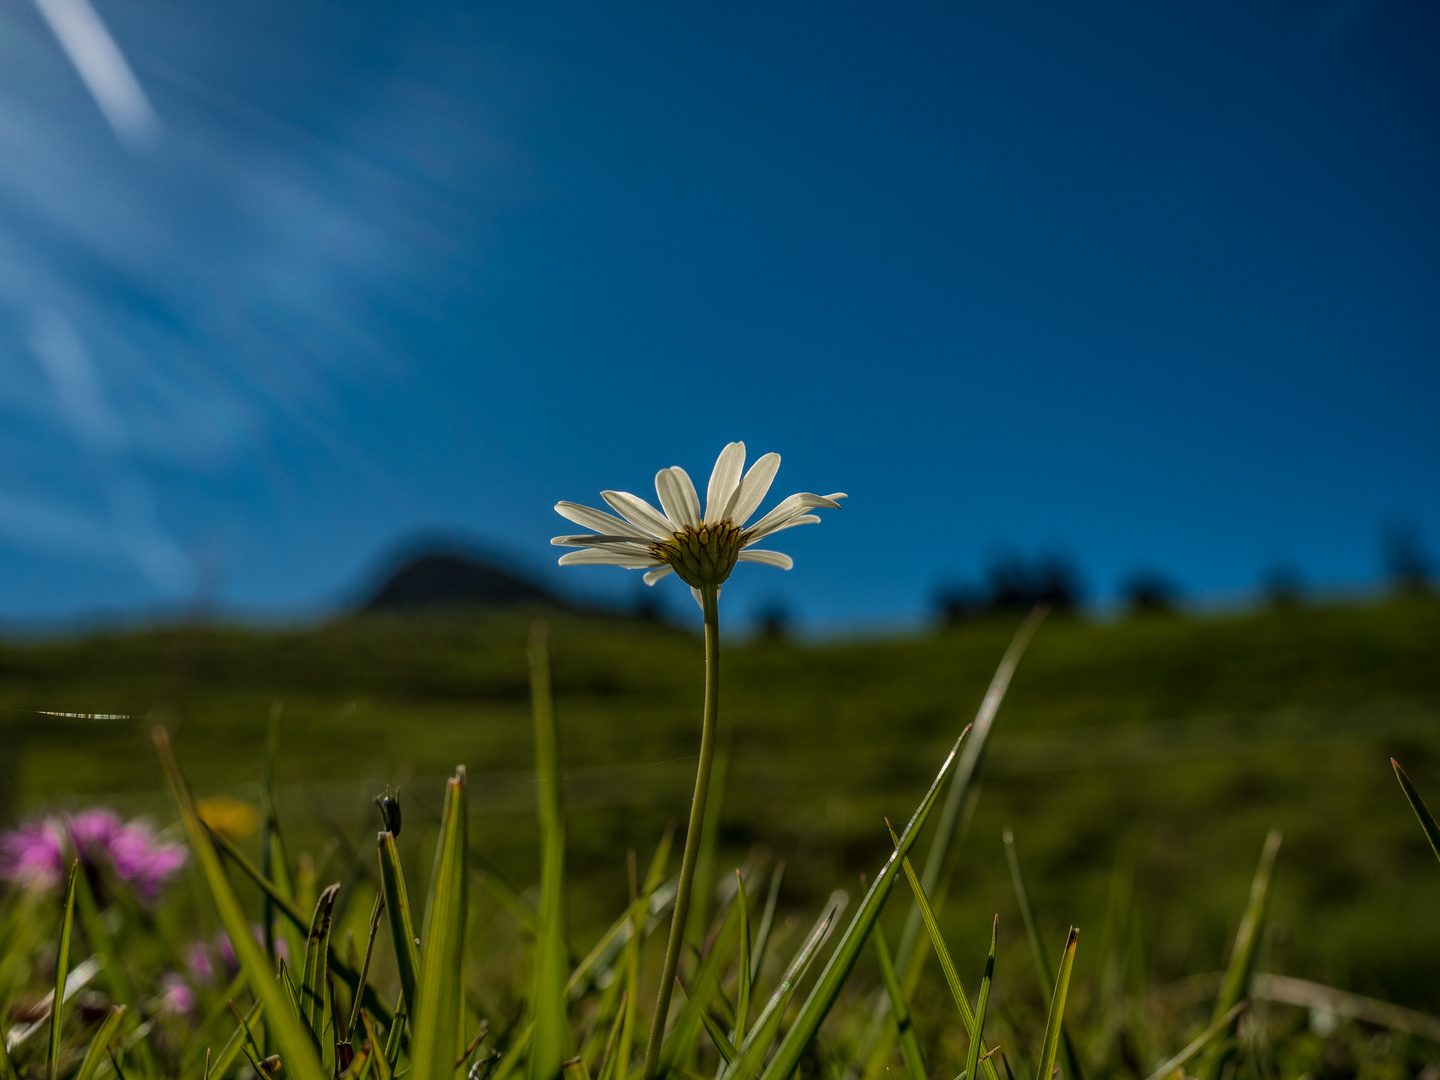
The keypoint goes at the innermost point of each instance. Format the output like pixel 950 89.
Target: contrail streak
pixel 103 68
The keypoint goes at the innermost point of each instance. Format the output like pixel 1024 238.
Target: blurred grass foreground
pixel 1139 764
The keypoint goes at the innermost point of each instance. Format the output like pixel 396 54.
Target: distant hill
pixel 446 578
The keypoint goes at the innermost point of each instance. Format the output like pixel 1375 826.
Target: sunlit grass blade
pixel 436 1027
pixel 942 953
pixel 767 921
pixel 959 801
pixel 312 980
pixel 742 991
pixel 62 968
pixel 1427 820
pixel 751 1051
pixel 220 1064
pixel 1247 940
pixel 293 1040
pixel 298 919
pixel 550 1046
pixel 402 925
pixel 100 1043
pixel 972 1058
pixel 899 1008
pixel 1215 1030
pixel 377 1049
pixel 837 969
pixel 1038 953
pixel 574 1069
pixel 1051 1044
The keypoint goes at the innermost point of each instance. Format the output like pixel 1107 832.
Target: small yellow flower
pixel 701 549
pixel 231 818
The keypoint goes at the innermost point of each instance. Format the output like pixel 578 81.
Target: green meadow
pixel 1140 763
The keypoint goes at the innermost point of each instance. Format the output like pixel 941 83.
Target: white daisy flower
pixel 702 548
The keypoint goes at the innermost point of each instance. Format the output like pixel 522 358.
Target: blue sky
pixel 1154 286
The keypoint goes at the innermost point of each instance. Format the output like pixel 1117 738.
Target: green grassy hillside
pixel 1165 744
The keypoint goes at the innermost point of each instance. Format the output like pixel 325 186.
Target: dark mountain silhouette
pixel 447 578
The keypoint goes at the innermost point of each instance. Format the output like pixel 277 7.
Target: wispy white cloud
pixel 102 66
pixel 75 383
pixel 134 526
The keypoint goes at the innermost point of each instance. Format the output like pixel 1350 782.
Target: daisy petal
pixel 641 543
pixel 753 488
pixel 637 548
pixel 767 558
pixel 692 497
pixel 677 496
pixel 787 523
pixel 655 575
pixel 787 508
pixel 640 514
pixel 596 519
pixel 600 557
pixel 724 482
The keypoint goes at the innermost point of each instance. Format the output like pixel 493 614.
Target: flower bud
pixel 389 805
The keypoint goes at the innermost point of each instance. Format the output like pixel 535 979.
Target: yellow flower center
pixel 702 555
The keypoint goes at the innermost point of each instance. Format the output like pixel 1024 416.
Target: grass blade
pixel 742 992
pixel 717 1035
pixel 1057 1007
pixel 296 1050
pixel 827 987
pixel 608 1057
pixel 99 1045
pixel 654 878
pixel 678 1043
pixel 297 918
pixel 312 978
pixel 751 1052
pixel 402 926
pixel 959 802
pixel 220 1065
pixel 972 1058
pixel 574 1069
pixel 1427 819
pixel 899 1008
pixel 62 969
pixel 1247 940
pixel 101 940
pixel 359 996
pixel 966 772
pixel 7 1067
pixel 1203 1040
pixel 942 953
pixel 289 986
pixel 377 1049
pixel 550 1046
pixel 767 921
pixel 436 1027
pixel 1038 952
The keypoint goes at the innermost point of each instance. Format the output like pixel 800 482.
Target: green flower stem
pixel 709 596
